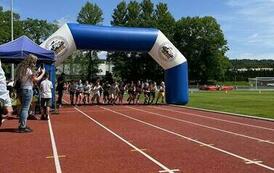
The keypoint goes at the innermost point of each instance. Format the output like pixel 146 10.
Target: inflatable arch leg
pixel 71 37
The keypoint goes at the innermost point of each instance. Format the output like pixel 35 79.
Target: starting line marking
pixel 51 157
pixel 253 162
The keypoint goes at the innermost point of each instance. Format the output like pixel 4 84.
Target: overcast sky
pixel 248 25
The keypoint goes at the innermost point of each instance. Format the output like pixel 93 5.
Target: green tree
pixel 90 14
pixel 164 20
pixel 133 14
pixel 119 14
pixel 38 30
pixel 146 15
pixel 119 59
pixel 202 41
pixel 5 26
pixel 136 65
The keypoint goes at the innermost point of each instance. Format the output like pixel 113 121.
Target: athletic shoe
pixel 2 119
pixel 44 118
pixel 1 122
pixel 24 130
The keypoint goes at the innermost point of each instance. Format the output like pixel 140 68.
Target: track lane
pixel 251 133
pixel 87 147
pixel 177 153
pixel 243 121
pixel 231 144
pixel 25 152
pixel 260 149
pixel 261 133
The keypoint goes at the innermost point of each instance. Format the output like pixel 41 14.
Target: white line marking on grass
pixel 54 149
pixel 192 140
pixel 128 143
pixel 228 121
pixel 208 127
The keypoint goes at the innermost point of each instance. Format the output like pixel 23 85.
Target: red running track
pixel 140 139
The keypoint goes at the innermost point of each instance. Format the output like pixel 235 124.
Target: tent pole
pixel 11 20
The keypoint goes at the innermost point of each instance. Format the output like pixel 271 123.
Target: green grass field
pixel 252 103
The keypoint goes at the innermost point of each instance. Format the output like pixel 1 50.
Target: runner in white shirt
pixel 96 91
pixel 87 89
pixel 46 95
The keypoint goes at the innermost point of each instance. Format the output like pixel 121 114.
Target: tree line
pixel 200 39
pixel 243 69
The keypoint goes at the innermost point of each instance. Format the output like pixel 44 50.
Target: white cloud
pixel 253 27
pixel 64 20
pixel 253 38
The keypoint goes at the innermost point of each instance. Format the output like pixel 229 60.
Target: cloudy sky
pixel 248 25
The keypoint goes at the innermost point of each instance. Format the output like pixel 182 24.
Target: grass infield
pixel 253 103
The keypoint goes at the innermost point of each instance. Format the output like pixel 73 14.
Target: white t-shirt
pixel 26 81
pixel 96 89
pixel 46 87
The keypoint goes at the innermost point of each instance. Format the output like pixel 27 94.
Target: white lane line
pixel 208 127
pixel 192 140
pixel 265 141
pixel 143 149
pixel 228 121
pixel 174 170
pixel 206 145
pixel 54 149
pixel 128 143
pixel 227 113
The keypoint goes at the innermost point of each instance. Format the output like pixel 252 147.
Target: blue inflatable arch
pixel 71 37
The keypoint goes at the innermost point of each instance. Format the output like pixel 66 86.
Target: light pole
pixel 11 20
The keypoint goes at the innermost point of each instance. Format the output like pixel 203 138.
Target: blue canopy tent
pixel 17 50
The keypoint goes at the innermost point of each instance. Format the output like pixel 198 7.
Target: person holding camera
pixel 26 76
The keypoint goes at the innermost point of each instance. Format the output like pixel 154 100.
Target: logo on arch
pixel 57 44
pixel 167 52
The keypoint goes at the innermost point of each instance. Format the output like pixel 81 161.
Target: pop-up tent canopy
pixel 16 50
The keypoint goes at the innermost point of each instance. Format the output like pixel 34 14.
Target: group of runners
pixel 114 92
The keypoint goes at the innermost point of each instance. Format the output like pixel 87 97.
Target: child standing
pixel 46 87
